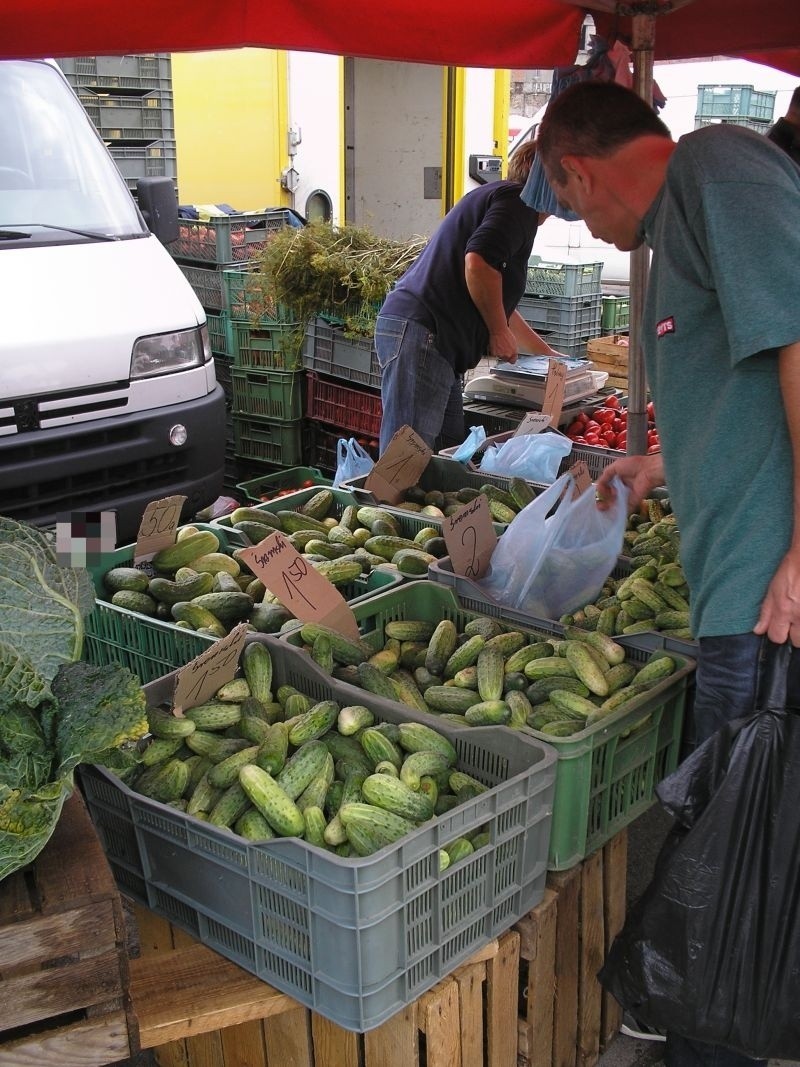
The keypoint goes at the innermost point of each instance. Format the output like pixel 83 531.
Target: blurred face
pixel 585 192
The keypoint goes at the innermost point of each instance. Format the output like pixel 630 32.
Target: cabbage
pixel 56 712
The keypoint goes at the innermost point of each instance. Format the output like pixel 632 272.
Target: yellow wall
pixel 230 127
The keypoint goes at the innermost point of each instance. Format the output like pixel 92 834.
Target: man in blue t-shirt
pixel 721 340
pixel 455 304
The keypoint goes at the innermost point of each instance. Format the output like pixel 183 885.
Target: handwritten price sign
pixel 208 672
pixel 158 526
pixel 533 422
pixel 405 458
pixel 554 390
pixel 581 477
pixel 470 538
pixel 300 588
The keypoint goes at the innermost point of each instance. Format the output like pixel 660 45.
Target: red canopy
pixel 473 33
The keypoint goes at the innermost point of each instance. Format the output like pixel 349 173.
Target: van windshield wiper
pixel 93 235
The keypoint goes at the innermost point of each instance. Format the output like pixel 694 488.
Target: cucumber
pixel 130 578
pixel 132 600
pixel 185 550
pixel 301 768
pixel 256 663
pixel 268 797
pixel 395 796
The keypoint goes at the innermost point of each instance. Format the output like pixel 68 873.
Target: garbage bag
pixel 352 461
pixel 558 551
pixel 711 950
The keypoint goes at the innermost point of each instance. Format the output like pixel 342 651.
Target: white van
pixel 108 396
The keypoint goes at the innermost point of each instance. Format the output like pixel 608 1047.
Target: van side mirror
pixel 159 207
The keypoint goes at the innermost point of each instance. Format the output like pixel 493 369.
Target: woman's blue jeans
pixel 418 386
pixel 729 676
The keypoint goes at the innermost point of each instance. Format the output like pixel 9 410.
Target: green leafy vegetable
pixel 55 711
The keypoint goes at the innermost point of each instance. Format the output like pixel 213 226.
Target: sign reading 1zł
pixel 298 586
pixel 405 458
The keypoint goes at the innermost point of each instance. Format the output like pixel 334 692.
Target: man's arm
pixel 780 611
pixel 485 286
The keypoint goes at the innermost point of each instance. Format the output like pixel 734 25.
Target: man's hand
pixel 780 611
pixel 503 345
pixel 639 473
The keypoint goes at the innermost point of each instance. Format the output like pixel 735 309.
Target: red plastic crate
pixel 352 409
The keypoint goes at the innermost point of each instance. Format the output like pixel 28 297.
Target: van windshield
pixel 54 169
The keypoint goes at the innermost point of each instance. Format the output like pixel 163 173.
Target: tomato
pixel 653 448
pixel 265 497
pixel 612 402
pixel 617 425
pixel 574 427
pixel 609 437
pixel 650 409
pixel 591 426
pixel 308 483
pixel 606 415
pixel 579 440
pixel 592 438
pixel 622 440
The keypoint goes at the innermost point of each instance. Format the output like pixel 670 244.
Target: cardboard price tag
pixel 300 588
pixel 470 538
pixel 205 674
pixel 158 526
pixel 581 477
pixel 405 458
pixel 554 390
pixel 533 422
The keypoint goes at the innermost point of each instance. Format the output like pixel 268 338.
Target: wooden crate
pixel 566 1018
pixel 610 354
pixel 195 1008
pixel 63 963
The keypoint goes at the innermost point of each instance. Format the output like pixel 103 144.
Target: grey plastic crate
pixel 355 939
pixel 562 313
pixel 145 71
pixel 562 279
pixel 734 102
pixel 596 459
pixel 328 351
pixel 130 118
pixel 156 160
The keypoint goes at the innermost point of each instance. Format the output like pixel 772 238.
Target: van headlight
pixel 165 353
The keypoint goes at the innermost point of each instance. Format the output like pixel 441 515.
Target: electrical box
pixel 485 169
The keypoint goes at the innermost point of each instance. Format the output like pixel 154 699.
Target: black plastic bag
pixel 711 951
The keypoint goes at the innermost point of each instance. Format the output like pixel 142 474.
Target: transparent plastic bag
pixel 534 456
pixel 467 449
pixel 352 461
pixel 556 554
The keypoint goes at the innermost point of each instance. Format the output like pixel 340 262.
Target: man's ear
pixel 576 167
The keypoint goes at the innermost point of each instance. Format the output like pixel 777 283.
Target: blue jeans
pixel 419 388
pixel 729 676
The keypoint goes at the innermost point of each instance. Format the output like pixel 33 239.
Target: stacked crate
pixel 344 381
pixel 563 303
pixel 254 340
pixel 129 100
pixel 739 105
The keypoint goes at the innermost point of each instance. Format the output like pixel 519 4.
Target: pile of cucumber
pixel 266 764
pixel 655 594
pixel 487 674
pixel 504 505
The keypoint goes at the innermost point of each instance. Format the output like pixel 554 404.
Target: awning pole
pixel 643 40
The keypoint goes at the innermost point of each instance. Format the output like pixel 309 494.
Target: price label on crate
pixel 554 390
pixel 405 458
pixel 158 526
pixel 205 674
pixel 533 422
pixel 580 477
pixel 300 588
pixel 470 537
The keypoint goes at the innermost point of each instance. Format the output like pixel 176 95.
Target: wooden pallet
pixel 63 964
pixel 566 1018
pixel 196 1009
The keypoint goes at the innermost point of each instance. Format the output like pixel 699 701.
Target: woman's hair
pixel 520 163
pixel 593 119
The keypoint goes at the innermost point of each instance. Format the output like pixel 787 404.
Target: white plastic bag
pixel 467 449
pixel 352 461
pixel 534 456
pixel 548 564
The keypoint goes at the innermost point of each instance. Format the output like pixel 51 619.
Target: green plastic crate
pixel 219 332
pixel 606 774
pixel 248 298
pixel 228 238
pixel 290 478
pixel 615 314
pixel 267 441
pixel 149 647
pixel 269 394
pixel 267 347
